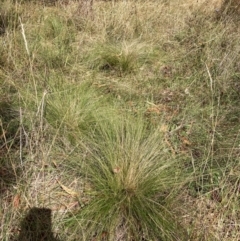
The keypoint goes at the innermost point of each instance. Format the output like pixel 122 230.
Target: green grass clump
pixel 74 109
pixel 52 42
pixel 123 57
pixel 131 179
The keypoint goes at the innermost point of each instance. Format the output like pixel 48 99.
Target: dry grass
pixel 62 74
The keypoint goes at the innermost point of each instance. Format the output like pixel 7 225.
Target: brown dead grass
pixel 209 219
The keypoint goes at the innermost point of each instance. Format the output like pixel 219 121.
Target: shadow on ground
pixel 37 226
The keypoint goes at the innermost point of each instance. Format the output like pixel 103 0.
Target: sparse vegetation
pixel 124 121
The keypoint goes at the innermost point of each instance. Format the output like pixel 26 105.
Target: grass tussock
pixel 131 179
pixel 74 109
pixel 120 119
pixel 121 59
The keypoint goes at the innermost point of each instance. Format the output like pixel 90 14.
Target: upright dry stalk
pixel 24 37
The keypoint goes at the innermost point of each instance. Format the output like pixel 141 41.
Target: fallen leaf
pixel 55 164
pixel 153 110
pixel 163 128
pixel 68 190
pixel 116 169
pixel 185 141
pixel 16 200
pixel 73 205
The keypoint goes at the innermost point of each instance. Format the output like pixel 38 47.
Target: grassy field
pixel 119 120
